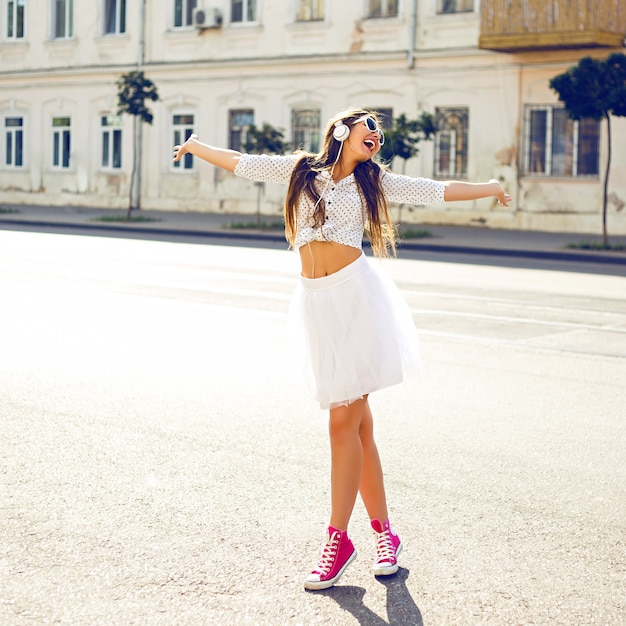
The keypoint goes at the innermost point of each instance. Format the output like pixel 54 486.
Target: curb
pixel 146 229
pixel 554 255
pixel 590 257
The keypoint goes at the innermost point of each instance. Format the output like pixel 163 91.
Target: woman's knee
pixel 345 421
pixel 366 428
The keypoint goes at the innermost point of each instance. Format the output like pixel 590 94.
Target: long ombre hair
pixel 379 225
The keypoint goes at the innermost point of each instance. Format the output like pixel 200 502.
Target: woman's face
pixel 364 143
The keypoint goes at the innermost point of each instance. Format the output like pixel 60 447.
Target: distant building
pixel 482 67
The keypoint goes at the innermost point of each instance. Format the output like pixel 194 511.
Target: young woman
pixel 351 329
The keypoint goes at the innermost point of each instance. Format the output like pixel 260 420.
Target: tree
pixel 133 91
pixel 595 89
pixel 266 140
pixel 403 138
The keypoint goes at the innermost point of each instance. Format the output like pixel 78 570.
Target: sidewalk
pixel 459 239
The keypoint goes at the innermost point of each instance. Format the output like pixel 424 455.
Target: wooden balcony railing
pixel 512 25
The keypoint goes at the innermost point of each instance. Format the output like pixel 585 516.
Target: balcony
pixel 516 25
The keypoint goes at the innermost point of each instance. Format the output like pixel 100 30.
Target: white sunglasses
pixel 373 127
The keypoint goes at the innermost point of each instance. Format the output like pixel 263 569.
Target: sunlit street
pixel 162 462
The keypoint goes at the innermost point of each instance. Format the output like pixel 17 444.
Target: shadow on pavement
pixel 401 608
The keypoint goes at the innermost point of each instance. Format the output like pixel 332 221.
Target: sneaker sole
pixel 313 585
pixel 388 570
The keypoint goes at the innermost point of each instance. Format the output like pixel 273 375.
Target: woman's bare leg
pixel 372 486
pixel 346 461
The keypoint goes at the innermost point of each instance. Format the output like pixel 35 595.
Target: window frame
pixel 384 9
pixel 385 115
pixel 242 129
pixel 119 18
pixel 548 158
pixel 62 132
pixel 68 19
pixel 110 129
pixel 245 12
pixel 186 13
pixel 311 135
pixel 441 8
pixel 10 152
pixel 314 7
pixel 13 32
pixel 180 133
pixel 456 156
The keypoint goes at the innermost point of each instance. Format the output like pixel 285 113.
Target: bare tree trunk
pixel 402 205
pixel 135 183
pixel 260 186
pixel 131 193
pixel 605 235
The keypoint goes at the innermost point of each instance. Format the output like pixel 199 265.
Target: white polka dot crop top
pixel 346 212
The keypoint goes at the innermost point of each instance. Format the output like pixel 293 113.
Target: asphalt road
pixel 162 464
pixel 477 246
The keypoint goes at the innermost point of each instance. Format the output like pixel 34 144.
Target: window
pixel 14 141
pixel 15 19
pixel 451 141
pixel 183 12
pixel 111 142
pixel 183 128
pixel 114 17
pixel 239 121
pixel 63 19
pixel 555 145
pixel 385 115
pixel 61 131
pixel 243 11
pixel 455 6
pixel 310 10
pixel 305 129
pixel 382 8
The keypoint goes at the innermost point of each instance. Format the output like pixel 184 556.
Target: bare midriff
pixel 321 258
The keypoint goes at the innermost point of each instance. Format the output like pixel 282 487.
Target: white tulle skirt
pixel 352 333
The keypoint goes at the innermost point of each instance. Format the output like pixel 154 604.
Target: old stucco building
pixel 482 67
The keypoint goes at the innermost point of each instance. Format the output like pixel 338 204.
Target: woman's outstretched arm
pixel 457 191
pixel 425 191
pixel 221 157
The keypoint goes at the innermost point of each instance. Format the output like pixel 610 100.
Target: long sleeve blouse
pixel 345 209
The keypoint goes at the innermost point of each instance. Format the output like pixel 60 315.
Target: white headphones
pixel 341 131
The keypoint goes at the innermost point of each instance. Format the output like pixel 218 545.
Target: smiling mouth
pixel 370 143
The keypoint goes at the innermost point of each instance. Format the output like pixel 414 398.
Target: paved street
pixel 162 463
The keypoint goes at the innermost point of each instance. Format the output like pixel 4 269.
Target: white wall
pixel 273 66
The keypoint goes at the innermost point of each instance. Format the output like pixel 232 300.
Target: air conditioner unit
pixel 207 18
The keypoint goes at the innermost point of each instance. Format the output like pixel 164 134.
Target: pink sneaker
pixel 388 546
pixel 337 553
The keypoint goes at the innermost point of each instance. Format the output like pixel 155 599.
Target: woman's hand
pixel 503 198
pixel 180 151
pixel 220 157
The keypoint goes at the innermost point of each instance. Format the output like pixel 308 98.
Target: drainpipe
pixel 412 35
pixel 135 202
pixel 142 36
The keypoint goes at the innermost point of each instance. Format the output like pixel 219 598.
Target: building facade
pixel 481 67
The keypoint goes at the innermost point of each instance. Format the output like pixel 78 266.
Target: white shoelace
pixel 329 552
pixel 384 547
